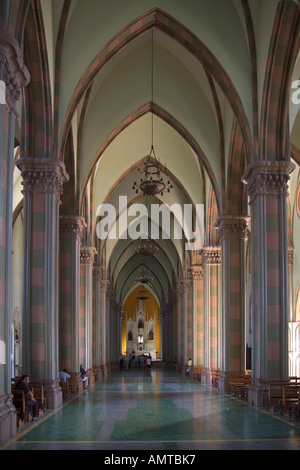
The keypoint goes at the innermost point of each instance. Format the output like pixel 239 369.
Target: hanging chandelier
pixel 145 276
pixel 152 183
pixel 146 247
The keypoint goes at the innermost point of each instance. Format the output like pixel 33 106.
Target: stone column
pixel 187 322
pixel 13 76
pixel 196 273
pixel 267 183
pixel 179 326
pixel 211 262
pixel 104 287
pixel 87 254
pixel 71 231
pixel 233 233
pixel 97 315
pixel 42 182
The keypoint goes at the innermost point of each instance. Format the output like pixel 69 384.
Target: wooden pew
pixel 38 392
pixel 65 386
pixel 275 395
pixel 23 411
pixel 290 398
pixel 196 373
pixel 18 401
pixel 239 385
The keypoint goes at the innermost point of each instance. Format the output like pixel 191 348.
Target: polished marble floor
pixel 156 410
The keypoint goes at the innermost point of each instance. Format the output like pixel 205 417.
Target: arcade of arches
pixel 86 89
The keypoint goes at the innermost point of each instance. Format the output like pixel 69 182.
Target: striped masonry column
pixel 71 231
pixel 97 357
pixel 211 262
pixel 267 184
pixel 233 234
pixel 179 324
pixel 187 320
pixel 104 292
pixel 196 273
pixel 174 339
pixel 42 182
pixel 87 254
pixel 13 76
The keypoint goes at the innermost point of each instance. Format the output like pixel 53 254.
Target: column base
pixel 91 377
pixel 52 393
pixel 224 380
pixel 8 419
pixel 206 376
pixel 258 392
pixel 98 373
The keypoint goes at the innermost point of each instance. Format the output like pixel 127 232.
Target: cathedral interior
pixel 149 205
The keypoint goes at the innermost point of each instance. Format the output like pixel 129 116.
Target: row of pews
pixel 284 397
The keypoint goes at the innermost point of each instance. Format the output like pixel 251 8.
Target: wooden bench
pixel 290 398
pixel 65 386
pixel 239 385
pixel 23 411
pixel 75 383
pixel 196 373
pixel 38 392
pixel 274 401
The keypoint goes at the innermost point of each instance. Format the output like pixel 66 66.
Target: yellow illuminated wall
pixel 129 309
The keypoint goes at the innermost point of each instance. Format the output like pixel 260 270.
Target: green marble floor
pixel 157 410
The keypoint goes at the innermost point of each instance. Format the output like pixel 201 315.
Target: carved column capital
pixel 97 274
pixel 13 73
pixel 196 273
pixel 71 226
pixel 104 285
pixel 268 178
pixel 87 255
pixel 291 255
pixel 232 227
pixel 179 291
pixel 186 285
pixel 211 255
pixel 43 175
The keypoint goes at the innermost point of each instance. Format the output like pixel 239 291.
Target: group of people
pixel 64 375
pixel 129 360
pixel 30 401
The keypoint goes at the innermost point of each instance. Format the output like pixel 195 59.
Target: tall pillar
pixel 87 254
pixel 179 324
pixel 97 314
pixel 211 261
pixel 13 77
pixel 196 273
pixel 104 287
pixel 71 231
pixel 267 183
pixel 233 233
pixel 187 320
pixel 42 182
